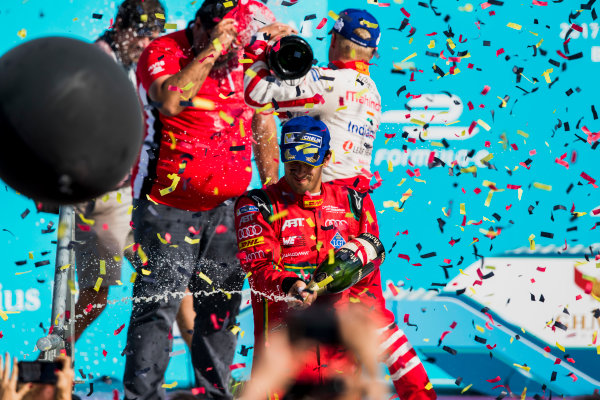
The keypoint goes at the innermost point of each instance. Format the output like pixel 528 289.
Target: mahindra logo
pixel 249 231
pixel 435 110
pixel 364 99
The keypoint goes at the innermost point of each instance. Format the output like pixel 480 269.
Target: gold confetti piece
pixel 562 348
pixel 190 240
pixel 22 33
pixel 226 294
pixel 333 15
pixel 86 221
pixel 119 282
pixel 451 43
pixel 325 281
pixel 159 15
pixel 514 26
pixel 175 180
pixel 105 198
pixel 264 108
pixel 406 195
pixel 487 158
pixel 228 4
pixel 319 244
pixel 354 300
pixel 309 105
pixel 133 277
pixel 462 209
pixel 216 191
pixel 369 217
pixel 246 61
pixel 98 283
pixel 483 124
pixel 520 132
pixel 171 26
pixel 226 117
pixel 466 388
pixel 217 45
pixel 3 315
pixel 31 255
pixel 522 367
pixel 235 329
pixel 146 272
pixel 251 73
pixel 531 242
pixel 21 273
pixel 144 17
pixel 542 186
pixel 471 169
pixel 71 286
pixel 408 58
pixel 391 204
pixel 331 255
pixel 341 108
pixel 248 275
pixel 102 267
pixel 431 44
pixel 142 255
pixel 151 199
pixel 163 241
pixel 310 222
pixel 203 104
pixel 205 278
pixel 169 385
pixel 479 328
pixel 368 24
pixel 402 182
pixel 279 215
pixel 546 75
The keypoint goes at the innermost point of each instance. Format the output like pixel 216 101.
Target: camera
pixel 38 371
pixel 290 58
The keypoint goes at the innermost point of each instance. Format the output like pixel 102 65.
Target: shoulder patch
pixel 355 198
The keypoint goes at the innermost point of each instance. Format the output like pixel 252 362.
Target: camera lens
pixel 292 60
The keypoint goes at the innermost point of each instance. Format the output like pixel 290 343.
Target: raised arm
pixel 265 147
pixel 222 35
pixel 262 89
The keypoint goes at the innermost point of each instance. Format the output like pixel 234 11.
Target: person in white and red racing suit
pixel 346 99
pixel 284 232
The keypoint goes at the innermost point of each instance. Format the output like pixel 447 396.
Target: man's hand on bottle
pixel 277 30
pixel 225 32
pixel 299 297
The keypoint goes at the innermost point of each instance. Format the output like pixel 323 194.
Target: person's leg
pixel 163 271
pixel 185 318
pixel 86 315
pixel 213 344
pixel 99 252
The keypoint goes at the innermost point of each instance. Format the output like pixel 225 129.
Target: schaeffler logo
pixel 432 117
pixel 249 231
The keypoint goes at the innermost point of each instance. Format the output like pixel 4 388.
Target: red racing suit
pixel 346 99
pixel 277 254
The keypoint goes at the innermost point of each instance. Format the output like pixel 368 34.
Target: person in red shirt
pixel 196 157
pixel 345 98
pixel 287 229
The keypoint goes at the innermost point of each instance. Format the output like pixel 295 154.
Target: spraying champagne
pixel 351 263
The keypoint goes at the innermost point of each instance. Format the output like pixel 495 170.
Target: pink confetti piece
pixel 406 13
pixel 119 329
pixel 220 229
pixel 322 23
pixel 494 380
pixel 540 3
pixel 393 289
pixel 198 390
pixel 485 90
pixel 104 352
pixel 499 51
pixel 237 366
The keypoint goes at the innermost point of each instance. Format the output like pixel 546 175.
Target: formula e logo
pixel 433 113
pixel 337 241
pixel 338 223
pixel 293 223
pixel 246 209
pixel 251 242
pixel 249 231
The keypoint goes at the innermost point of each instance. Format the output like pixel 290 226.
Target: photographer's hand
pixel 8 382
pixel 65 377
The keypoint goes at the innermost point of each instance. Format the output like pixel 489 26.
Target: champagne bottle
pixel 352 262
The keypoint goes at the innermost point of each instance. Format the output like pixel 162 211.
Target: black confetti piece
pixel 25 213
pixel 237 148
pixel 429 255
pixel 42 263
pixel 97 16
pixel 450 350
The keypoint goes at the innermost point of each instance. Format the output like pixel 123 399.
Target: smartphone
pixel 38 371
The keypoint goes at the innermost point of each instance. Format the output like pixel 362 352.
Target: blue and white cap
pixel 351 19
pixel 304 139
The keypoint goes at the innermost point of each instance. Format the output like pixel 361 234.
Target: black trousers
pixel 163 275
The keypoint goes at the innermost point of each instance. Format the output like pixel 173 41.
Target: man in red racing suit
pixel 346 98
pixel 287 229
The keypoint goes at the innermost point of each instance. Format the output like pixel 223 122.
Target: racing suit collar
pixel 303 200
pixel 357 65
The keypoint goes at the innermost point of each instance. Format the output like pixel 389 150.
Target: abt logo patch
pixel 251 242
pixel 293 223
pixel 337 241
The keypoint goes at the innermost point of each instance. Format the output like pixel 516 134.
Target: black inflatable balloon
pixel 70 120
